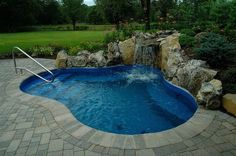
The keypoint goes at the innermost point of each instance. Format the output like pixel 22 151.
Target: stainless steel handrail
pixel 23 68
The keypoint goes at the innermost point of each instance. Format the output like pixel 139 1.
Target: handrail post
pixel 14 60
pixel 22 68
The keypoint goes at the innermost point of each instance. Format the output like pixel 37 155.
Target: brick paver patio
pixel 31 127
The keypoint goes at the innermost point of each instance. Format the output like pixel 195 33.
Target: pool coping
pixel 85 135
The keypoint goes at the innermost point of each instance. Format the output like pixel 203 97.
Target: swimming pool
pixel 119 99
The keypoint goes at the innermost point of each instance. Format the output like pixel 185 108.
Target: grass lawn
pixel 62 38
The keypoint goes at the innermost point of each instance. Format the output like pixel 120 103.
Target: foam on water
pixel 140 75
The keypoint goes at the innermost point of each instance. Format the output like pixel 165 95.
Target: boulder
pixel 127 50
pixel 167 46
pixel 97 59
pixel 61 60
pixel 83 52
pixel 113 55
pixel 229 103
pixel 210 94
pixel 80 60
pixel 174 61
pixel 192 74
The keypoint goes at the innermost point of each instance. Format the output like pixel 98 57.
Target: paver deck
pixel 31 125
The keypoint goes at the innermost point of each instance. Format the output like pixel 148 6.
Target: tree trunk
pixel 117 25
pixel 74 24
pixel 146 10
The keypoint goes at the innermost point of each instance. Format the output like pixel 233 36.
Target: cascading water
pixel 146 49
pixel 145 55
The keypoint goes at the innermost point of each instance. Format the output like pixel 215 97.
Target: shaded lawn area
pixel 27 40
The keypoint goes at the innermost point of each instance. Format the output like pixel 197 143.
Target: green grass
pixel 61 38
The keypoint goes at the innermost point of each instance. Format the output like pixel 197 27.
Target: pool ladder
pixel 24 68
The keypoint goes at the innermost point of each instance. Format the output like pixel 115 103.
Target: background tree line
pixel 15 14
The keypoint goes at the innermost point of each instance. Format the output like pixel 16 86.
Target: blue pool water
pixel 121 99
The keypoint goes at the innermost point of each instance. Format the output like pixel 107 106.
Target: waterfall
pixel 145 55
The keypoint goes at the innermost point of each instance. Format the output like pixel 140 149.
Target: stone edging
pixel 83 135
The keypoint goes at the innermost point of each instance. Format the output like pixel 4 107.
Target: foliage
pixel 187 41
pixel 91 46
pixel 73 51
pixel 216 50
pixel 146 6
pixel 116 36
pixel 230 34
pixel 201 26
pixel 165 6
pixel 17 13
pixel 112 37
pixel 188 32
pixel 81 28
pixel 219 15
pixel 228 77
pixel 232 15
pixel 126 31
pixel 42 51
pixel 50 12
pixel 229 88
pixel 94 16
pixel 115 11
pixel 74 10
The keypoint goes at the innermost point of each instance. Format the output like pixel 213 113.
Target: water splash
pixel 141 75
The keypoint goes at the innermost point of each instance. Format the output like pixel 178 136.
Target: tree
pixel 15 14
pixel 115 11
pixel 164 6
pixel 50 12
pixel 94 16
pixel 146 10
pixel 73 9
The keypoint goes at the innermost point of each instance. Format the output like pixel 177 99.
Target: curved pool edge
pixel 63 118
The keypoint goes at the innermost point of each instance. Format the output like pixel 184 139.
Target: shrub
pixel 92 46
pixel 201 26
pixel 229 75
pixel 74 50
pixel 82 27
pixel 42 51
pixel 113 37
pixel 216 50
pixel 229 88
pixel 187 41
pixel 57 47
pixel 165 25
pixel 188 32
pixel 230 34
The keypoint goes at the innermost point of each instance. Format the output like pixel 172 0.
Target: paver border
pixel 85 136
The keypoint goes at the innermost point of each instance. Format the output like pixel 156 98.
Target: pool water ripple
pixel 122 99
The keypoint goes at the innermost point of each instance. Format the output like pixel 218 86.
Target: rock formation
pixel 161 50
pixel 210 94
pixel 113 55
pixel 61 61
pixel 81 60
pixel 97 59
pixel 127 50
